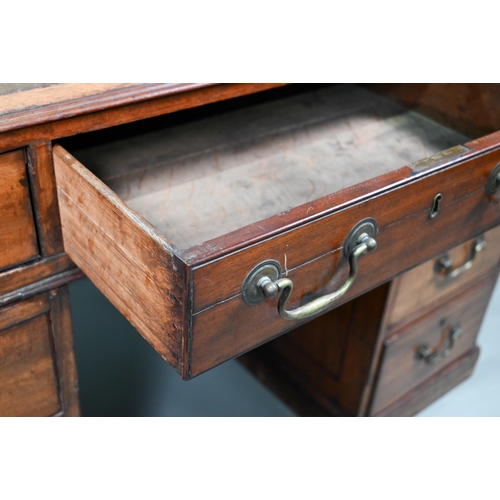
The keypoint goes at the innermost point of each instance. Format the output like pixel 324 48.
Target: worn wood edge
pixel 18 117
pixel 26 310
pixel 127 113
pixel 15 280
pixel 157 315
pixel 268 325
pixel 142 224
pixel 43 285
pixel 433 388
pixel 187 317
pixel 276 225
pixel 64 354
pixel 236 291
pixel 44 195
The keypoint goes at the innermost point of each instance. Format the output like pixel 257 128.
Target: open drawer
pixel 195 231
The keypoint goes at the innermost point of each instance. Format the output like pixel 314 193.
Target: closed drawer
pixel 169 224
pixel 420 350
pixel 18 242
pixel 28 383
pixel 439 279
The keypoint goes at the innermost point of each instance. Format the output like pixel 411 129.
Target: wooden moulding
pixel 188 304
pixel 21 282
pixel 114 107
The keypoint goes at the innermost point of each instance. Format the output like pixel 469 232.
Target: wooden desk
pixel 173 197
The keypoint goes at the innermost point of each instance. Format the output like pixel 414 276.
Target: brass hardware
pixel 436 205
pixel 439 158
pixel 261 282
pixel 444 265
pixel 434 356
pixel 493 182
pixel 253 292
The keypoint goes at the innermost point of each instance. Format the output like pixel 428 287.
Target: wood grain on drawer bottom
pixel 402 368
pixel 28 385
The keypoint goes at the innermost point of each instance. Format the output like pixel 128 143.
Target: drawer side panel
pixel 125 257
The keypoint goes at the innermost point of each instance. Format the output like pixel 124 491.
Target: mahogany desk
pixel 341 240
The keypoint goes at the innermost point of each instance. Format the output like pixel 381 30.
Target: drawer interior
pixel 168 216
pixel 198 178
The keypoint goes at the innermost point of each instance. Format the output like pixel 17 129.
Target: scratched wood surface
pixel 204 179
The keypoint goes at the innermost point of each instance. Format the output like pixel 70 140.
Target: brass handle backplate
pixel 434 356
pixel 493 182
pixel 445 266
pixel 265 281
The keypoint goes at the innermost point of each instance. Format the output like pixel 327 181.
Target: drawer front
pixel 28 383
pixel 420 350
pixel 194 314
pixel 18 241
pixel 312 257
pixel 420 289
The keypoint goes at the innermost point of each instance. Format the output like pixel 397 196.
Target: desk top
pixel 26 104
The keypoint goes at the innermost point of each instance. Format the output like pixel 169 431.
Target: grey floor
pixel 120 374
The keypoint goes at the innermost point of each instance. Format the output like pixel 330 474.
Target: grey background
pixel 120 374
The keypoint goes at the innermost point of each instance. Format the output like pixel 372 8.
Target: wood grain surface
pixel 63 119
pixel 28 106
pixel 201 180
pixel 331 355
pixel 433 388
pixel 466 210
pixel 420 289
pixel 28 384
pixel 64 354
pixel 33 306
pixel 127 259
pixel 43 187
pixel 471 108
pixel 15 280
pixel 307 240
pixel 18 240
pixel 401 369
pixel 407 237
